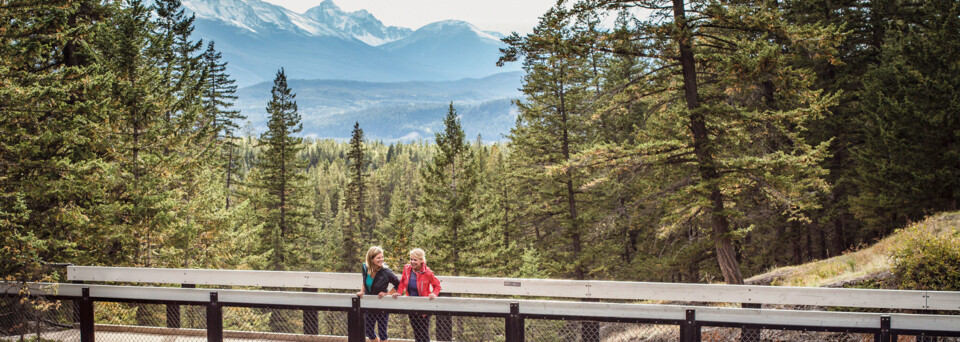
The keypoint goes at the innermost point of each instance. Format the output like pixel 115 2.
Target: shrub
pixel 928 261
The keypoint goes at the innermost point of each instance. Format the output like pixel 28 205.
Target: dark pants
pixel 379 320
pixel 421 327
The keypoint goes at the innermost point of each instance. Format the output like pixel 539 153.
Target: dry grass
pixel 863 263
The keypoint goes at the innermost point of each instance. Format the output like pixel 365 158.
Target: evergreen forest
pixel 674 141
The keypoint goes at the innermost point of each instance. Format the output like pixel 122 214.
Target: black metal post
pixel 521 327
pixel 311 326
pixel 750 334
pixel 173 316
pixel 173 311
pixel 884 335
pixel 214 319
pixel 355 322
pixel 513 325
pixel 590 331
pixel 444 325
pixel 689 329
pixel 86 316
pixel 76 304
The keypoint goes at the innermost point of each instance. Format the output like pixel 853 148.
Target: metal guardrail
pixel 583 289
pixel 516 317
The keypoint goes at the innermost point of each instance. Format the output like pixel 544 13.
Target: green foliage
pixel 51 104
pixel 552 126
pixel 928 261
pixel 357 232
pixel 286 219
pixel 450 183
pixel 644 151
pixel 908 162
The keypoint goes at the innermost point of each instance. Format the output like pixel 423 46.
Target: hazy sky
pixel 504 16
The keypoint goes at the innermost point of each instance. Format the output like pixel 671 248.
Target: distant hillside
pixel 393 110
pixel 869 263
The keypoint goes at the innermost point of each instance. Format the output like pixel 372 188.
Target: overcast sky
pixel 503 16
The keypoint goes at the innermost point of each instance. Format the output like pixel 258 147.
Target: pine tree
pixel 356 192
pixel 146 170
pixel 282 180
pixel 551 129
pixel 498 217
pixel 865 25
pixel 51 150
pixel 398 227
pixel 450 183
pixel 909 161
pixel 727 106
pixel 353 213
pixel 218 96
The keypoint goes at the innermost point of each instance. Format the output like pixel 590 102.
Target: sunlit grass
pixel 862 263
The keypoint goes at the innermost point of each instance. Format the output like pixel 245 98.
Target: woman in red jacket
pixel 418 280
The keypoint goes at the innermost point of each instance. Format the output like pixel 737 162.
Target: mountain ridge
pixel 258 38
pixel 392 111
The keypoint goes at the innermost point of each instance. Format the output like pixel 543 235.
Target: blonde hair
pixel 419 253
pixel 372 253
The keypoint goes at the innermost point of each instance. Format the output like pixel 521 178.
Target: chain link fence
pixel 437 327
pixel 588 331
pixel 913 338
pixel 724 334
pixel 37 319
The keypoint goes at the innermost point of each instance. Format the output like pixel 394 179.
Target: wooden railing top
pixel 583 289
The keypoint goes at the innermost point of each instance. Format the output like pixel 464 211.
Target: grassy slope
pixel 866 263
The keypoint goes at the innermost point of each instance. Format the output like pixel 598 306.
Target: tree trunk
pixel 726 257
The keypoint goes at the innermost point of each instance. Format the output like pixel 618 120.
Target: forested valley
pixel 683 141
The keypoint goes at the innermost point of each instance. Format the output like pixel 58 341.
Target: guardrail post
pixel 85 314
pixel 750 334
pixel 173 316
pixel 311 326
pixel 76 304
pixel 214 319
pixel 514 326
pixel 590 331
pixel 689 329
pixel 884 335
pixel 444 328
pixel 173 311
pixel 355 322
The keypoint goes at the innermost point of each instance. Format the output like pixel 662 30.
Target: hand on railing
pixel 359 294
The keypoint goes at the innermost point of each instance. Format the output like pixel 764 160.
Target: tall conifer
pixel 282 180
pixel 52 152
pixel 218 97
pixel 909 161
pixel 450 183
pixel 356 191
pixel 728 105
pixel 551 128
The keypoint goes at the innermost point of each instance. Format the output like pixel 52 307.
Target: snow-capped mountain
pixel 259 17
pixel 359 24
pixel 257 38
pixel 348 67
pixel 450 45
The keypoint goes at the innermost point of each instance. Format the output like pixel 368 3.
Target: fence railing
pixel 293 316
pixel 582 289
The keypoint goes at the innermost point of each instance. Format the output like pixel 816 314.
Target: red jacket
pixel 425 281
